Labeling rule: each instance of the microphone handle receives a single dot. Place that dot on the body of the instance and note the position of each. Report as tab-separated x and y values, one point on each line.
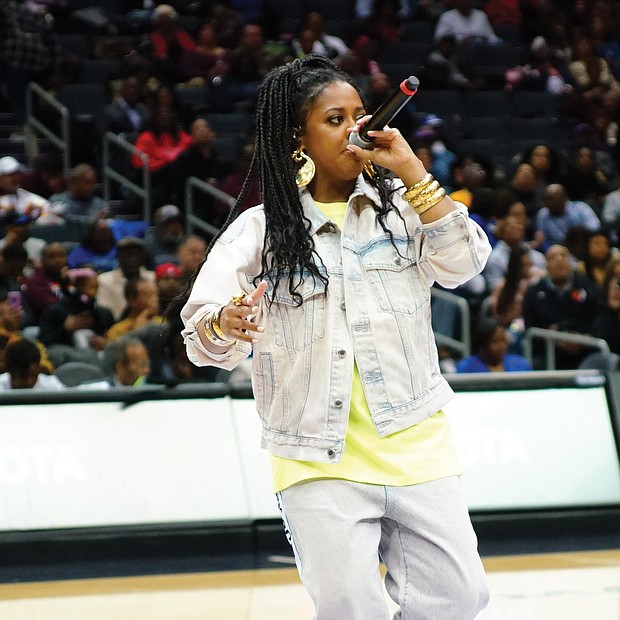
385	112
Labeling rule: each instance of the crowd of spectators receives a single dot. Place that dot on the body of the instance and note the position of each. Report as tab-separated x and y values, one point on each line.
85	285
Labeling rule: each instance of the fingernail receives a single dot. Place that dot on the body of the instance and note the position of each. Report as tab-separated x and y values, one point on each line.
260	329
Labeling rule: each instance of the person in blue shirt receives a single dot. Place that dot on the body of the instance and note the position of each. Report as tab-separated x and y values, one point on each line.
491	352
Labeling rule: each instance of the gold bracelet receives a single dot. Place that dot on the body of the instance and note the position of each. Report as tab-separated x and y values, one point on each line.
212	336
427	179
429	202
215	325
425	192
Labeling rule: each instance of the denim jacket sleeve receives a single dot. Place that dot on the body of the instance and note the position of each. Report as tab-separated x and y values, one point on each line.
232	264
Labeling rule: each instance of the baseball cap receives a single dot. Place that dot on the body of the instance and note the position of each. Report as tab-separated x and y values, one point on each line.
9	165
165	214
167	270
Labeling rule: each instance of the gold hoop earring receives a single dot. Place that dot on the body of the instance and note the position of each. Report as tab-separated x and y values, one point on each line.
306	172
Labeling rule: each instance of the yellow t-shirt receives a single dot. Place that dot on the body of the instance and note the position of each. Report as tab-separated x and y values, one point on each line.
421	453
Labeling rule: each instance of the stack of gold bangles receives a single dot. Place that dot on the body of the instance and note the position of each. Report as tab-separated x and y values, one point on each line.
213	331
425	194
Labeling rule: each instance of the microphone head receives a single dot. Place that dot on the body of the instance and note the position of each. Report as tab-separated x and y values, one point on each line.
356	139
411	83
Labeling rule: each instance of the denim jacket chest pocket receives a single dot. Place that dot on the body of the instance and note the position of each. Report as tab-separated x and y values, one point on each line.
394	277
297	327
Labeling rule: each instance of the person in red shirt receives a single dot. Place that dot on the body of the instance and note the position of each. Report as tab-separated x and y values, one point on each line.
162	143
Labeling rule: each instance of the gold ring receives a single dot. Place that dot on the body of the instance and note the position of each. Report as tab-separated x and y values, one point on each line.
239	299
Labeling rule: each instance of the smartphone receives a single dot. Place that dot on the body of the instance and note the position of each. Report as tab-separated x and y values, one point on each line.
14	299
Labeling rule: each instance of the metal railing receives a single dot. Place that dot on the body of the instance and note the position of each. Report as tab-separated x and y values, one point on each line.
552	337
463	346
192	221
63	142
109	174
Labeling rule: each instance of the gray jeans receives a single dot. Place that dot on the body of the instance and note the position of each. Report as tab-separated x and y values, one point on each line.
340	531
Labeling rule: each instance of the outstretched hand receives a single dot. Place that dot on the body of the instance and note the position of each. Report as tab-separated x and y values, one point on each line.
236	321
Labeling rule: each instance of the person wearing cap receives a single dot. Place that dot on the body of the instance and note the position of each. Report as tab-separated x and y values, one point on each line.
163	238
13	197
79	205
168	279
131	257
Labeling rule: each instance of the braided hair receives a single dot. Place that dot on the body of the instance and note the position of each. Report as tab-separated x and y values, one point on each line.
285	97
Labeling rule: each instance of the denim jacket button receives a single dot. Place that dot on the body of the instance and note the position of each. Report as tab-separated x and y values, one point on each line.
342	352
331	453
342	305
338	403
397	260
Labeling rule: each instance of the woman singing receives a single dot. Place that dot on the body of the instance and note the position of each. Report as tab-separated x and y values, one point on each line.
327	284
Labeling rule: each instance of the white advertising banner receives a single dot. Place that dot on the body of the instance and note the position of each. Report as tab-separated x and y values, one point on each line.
199	460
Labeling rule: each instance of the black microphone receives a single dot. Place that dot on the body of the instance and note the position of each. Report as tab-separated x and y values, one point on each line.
385	112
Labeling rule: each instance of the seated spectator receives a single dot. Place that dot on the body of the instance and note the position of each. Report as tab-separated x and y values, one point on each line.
597	257
491	352
131	256
445	68
22	369
502	12
523	185
543	72
584	179
465	22
547	165
606	324
13	260
17	232
506	299
132	365
510	231
162	240
597	88
79	205
142	308
46	285
127	116
76	322
385	22
168	42
474	178
47	177
168	280
200	160
14	198
97	248
561	214
190	255
562	301
207	60
162	144
325	44
250	62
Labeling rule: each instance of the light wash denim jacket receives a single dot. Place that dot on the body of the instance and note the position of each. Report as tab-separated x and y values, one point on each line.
376	312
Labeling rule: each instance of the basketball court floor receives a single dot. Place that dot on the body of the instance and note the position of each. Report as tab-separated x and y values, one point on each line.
582	585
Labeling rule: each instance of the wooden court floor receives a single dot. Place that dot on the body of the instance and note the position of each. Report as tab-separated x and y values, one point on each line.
563	586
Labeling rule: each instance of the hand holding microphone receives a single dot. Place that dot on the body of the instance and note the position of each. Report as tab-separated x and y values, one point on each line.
385	112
